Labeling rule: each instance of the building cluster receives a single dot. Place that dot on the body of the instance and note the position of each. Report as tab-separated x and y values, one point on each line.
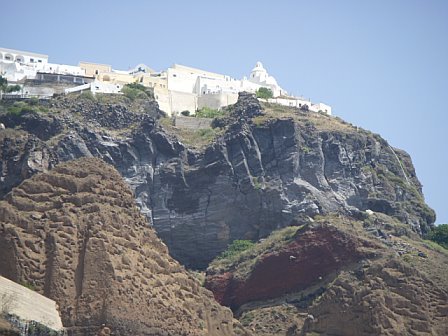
176	89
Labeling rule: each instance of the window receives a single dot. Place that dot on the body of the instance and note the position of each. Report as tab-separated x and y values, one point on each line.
96	72
32	60
40	61
174	75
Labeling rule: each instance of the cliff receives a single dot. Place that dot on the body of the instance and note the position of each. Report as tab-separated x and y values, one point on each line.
269	167
76	236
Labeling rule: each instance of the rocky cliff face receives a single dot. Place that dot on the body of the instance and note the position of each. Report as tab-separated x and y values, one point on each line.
76	236
272	168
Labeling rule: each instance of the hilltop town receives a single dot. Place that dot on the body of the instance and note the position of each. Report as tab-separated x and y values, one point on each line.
176	89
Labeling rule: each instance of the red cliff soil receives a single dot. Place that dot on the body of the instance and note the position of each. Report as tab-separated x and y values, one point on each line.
312	254
76	236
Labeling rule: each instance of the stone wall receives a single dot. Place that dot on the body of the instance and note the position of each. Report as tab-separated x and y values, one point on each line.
217	100
28	305
192	122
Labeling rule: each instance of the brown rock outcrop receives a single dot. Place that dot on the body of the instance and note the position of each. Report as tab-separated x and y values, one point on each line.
76	236
388	298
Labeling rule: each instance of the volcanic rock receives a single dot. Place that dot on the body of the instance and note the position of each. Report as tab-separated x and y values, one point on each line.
76	236
272	167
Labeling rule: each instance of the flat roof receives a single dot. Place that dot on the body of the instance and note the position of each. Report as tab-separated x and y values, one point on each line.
13	51
92	63
188	68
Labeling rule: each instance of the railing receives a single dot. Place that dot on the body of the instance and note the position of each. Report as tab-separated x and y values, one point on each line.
23	96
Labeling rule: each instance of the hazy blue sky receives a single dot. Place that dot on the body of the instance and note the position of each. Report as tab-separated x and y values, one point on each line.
382	65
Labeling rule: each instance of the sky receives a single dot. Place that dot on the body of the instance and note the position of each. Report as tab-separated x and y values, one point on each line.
381	65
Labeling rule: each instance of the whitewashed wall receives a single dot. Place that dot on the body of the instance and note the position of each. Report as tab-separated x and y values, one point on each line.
217	100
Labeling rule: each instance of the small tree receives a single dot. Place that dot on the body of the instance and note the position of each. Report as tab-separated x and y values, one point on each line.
3	85
185	113
440	235
264	93
5	88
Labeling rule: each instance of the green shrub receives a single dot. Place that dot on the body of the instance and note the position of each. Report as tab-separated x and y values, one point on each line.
87	95
439	235
20	107
13	88
136	91
185	113
235	248
28	285
33	101
207	112
264	93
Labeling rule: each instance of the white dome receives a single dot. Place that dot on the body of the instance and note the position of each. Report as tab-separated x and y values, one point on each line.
259	67
271	81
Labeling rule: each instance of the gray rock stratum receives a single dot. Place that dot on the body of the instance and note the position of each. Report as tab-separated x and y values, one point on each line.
271	167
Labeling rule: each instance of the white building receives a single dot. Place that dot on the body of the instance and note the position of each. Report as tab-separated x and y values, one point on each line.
300	103
96	87
23	57
260	77
191	89
17	65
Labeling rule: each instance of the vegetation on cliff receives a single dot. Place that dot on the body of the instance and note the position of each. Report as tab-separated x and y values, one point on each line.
439	235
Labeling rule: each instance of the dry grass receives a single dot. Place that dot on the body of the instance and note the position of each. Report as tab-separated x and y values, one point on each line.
197	139
321	121
243	263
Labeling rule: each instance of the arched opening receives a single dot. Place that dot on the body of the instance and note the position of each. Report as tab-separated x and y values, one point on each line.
20	59
9	57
